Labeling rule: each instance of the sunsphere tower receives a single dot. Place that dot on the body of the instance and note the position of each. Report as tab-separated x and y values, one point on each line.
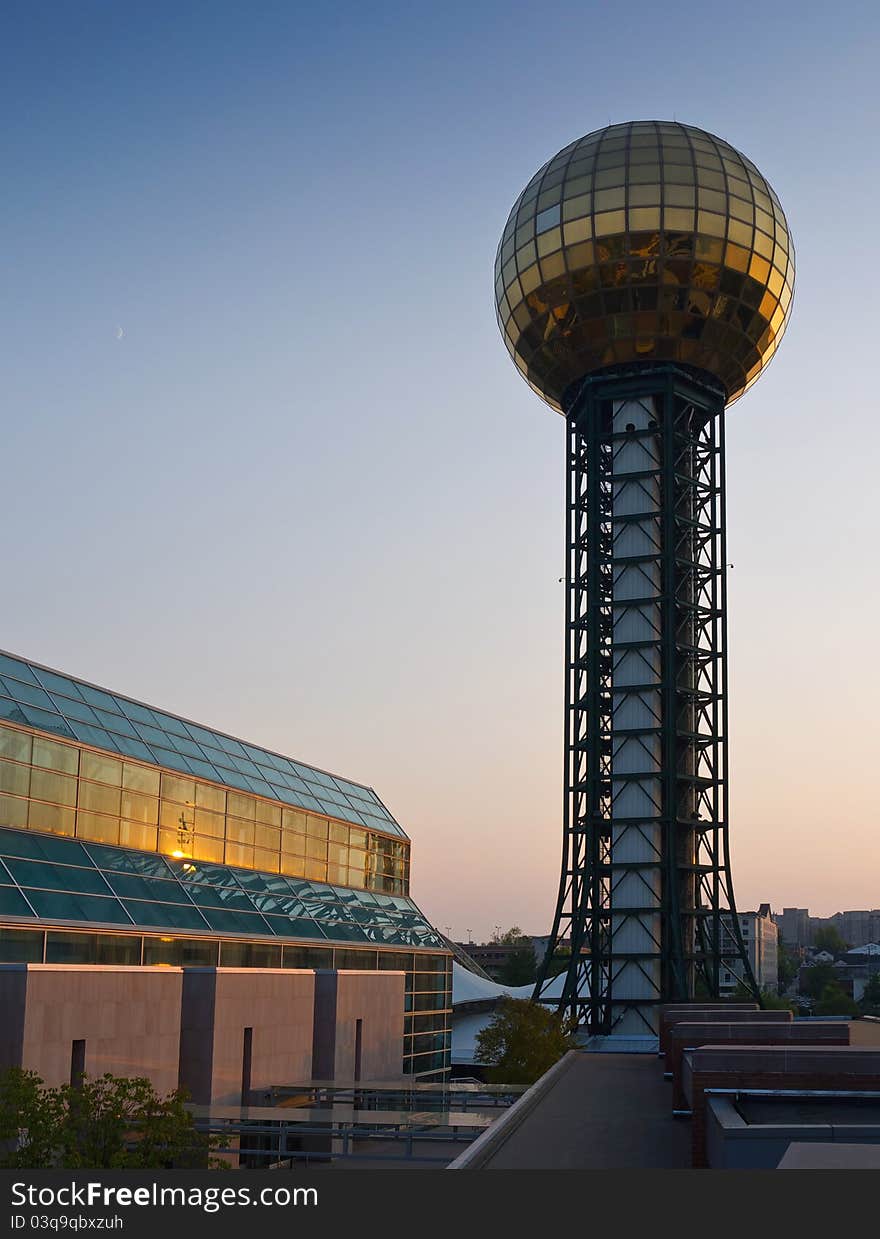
643	282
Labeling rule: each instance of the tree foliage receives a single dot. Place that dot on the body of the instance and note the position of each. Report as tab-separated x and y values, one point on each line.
520	966
815	979
523	1041
770	999
827	938
834	1000
558	961
103	1123
788	965
870	1000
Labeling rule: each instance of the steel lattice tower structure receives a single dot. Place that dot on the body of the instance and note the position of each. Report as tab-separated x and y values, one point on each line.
643	281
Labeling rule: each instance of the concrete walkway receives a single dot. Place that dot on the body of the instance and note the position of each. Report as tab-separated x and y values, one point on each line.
605	1112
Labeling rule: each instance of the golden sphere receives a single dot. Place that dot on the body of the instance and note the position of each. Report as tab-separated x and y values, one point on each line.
648	241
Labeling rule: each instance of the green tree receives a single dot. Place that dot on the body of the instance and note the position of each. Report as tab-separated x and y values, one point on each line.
30	1118
815	979
514	934
835	1000
827	938
523	1041
521	965
788	965
558	961
770	1000
104	1123
742	993
869	1004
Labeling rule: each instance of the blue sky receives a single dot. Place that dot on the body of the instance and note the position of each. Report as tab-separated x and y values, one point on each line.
305	497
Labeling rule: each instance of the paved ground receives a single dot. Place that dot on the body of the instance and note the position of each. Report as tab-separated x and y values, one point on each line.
608	1111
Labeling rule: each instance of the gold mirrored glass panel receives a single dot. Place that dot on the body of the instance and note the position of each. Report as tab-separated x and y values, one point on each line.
64	788
711	286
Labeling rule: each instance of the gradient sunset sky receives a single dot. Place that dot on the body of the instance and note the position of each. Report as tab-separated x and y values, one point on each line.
267	463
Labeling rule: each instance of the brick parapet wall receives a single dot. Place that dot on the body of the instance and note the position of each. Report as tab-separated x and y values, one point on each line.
751	1033
676	1013
862	1075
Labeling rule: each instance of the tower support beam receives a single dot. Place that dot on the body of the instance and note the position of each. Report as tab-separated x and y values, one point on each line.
645	896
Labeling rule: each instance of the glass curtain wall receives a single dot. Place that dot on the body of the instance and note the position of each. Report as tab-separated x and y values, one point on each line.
63	787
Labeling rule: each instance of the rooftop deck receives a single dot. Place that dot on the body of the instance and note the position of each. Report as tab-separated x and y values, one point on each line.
600	1112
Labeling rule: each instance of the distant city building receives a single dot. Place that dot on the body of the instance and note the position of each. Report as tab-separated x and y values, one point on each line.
857	928
855	970
851	973
794	926
490	956
868	954
761	939
541	941
493	956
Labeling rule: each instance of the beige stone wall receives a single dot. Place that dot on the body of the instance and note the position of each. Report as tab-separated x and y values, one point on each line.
186	1027
129	1019
375	998
219	1004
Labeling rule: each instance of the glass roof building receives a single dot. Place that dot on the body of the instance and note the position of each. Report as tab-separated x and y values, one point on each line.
132	836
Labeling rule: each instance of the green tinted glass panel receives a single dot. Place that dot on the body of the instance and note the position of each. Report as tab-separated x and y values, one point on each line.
19	946
175	915
134	887
225	921
12	903
57	877
307	957
249	955
41	847
158	893
180	952
290	927
222	897
55	905
355	959
80	948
